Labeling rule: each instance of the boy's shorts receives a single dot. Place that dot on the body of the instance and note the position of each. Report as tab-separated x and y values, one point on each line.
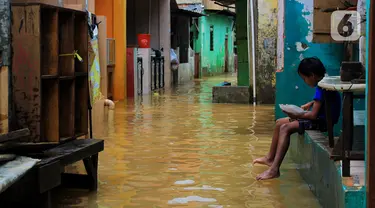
305	124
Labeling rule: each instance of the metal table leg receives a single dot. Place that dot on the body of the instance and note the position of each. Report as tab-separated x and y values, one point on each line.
347	132
328	110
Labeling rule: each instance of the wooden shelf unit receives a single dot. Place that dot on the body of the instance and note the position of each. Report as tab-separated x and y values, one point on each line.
50	88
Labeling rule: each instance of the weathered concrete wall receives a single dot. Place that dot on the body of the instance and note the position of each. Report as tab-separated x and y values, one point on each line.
165	38
266	39
322	174
232	94
212	62
186	70
290	88
266	51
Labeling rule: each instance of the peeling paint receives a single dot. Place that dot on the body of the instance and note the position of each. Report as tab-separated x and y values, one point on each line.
280	35
308	8
298	29
266	51
301	47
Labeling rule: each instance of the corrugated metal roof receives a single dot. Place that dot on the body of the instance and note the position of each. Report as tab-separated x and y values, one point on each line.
189	1
225	2
192	7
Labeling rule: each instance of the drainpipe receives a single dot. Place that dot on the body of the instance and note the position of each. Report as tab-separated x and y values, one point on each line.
250	17
149	17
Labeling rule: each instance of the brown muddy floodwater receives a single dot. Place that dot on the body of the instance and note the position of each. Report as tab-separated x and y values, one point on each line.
177	149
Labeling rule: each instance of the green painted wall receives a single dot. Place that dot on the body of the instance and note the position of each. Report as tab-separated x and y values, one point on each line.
243	75
213	62
266	37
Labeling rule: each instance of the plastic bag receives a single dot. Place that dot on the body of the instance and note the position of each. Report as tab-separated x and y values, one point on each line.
292	109
174	58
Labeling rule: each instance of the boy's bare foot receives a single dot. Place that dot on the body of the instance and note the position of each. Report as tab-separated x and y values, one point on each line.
268	174
264	161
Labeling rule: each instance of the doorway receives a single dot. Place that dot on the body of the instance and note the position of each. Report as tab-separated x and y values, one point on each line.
226	61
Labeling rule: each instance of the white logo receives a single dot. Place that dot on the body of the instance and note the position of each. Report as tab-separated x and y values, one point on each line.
345	25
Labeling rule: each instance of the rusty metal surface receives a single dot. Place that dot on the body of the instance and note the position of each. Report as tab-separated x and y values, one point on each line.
26	69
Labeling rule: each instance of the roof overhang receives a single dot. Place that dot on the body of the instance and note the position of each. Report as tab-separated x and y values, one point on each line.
184	12
225	2
223	12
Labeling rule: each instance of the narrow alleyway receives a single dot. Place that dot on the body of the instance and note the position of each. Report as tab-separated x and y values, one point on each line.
178	149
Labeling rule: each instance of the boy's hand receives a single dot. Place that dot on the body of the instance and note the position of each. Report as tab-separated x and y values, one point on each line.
307	106
291	115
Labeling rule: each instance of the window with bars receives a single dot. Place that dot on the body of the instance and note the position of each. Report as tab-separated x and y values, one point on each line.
211	38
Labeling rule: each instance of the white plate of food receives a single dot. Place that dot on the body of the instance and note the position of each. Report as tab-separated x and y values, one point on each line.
292	109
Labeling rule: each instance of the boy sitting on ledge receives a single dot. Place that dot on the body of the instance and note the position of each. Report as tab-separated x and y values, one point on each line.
311	70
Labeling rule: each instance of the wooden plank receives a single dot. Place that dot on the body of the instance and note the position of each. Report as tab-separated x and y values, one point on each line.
322	4
50	47
322	21
50	111
73	151
4	93
66	110
81	41
370	171
49	176
81	106
49	2
103	55
81	83
26	70
66	43
26	149
14	135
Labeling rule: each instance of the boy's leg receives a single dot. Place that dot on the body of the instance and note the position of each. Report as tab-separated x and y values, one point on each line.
282	147
268	159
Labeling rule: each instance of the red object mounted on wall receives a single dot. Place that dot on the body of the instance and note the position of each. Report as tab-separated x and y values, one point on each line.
144	40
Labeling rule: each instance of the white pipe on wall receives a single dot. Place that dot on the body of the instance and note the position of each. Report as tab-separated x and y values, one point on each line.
250	15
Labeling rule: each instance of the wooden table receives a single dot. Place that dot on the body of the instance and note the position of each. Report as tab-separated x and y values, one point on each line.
35	187
350	91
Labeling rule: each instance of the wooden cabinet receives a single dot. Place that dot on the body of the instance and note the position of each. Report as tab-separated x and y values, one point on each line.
322	18
49	83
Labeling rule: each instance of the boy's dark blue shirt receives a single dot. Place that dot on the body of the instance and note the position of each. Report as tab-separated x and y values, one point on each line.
336	103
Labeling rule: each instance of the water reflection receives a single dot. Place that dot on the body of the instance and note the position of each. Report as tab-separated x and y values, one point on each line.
177	149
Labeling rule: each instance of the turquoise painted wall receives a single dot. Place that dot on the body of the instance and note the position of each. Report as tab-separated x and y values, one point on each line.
290	88
212	62
323	175
368	2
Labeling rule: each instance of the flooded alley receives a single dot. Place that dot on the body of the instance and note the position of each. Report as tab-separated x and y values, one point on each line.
177	149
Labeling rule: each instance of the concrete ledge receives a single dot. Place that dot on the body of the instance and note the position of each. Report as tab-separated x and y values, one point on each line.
323	175
231	94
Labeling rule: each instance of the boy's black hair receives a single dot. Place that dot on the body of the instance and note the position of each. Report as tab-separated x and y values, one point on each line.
310	66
